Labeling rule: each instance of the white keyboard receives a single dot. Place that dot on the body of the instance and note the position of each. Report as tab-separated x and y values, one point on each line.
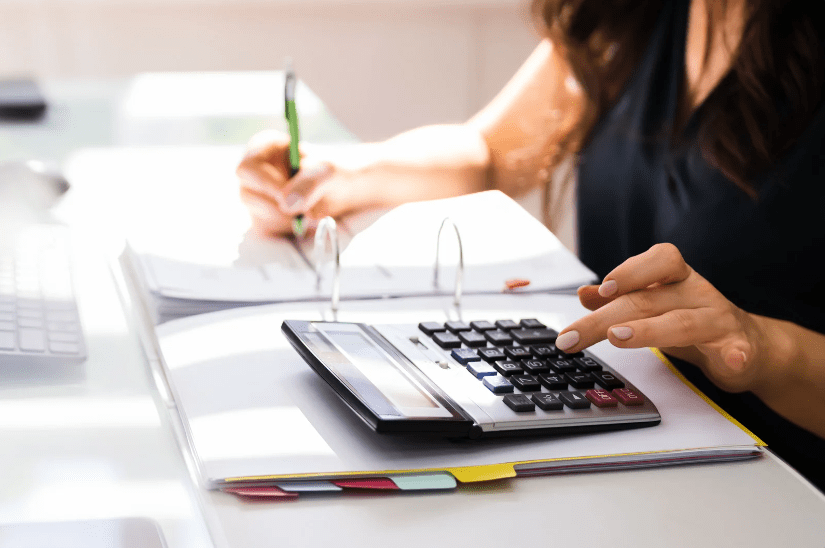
39	323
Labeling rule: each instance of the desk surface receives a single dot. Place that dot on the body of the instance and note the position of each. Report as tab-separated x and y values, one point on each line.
97	441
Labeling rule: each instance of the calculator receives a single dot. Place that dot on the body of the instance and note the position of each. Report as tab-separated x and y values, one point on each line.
468	380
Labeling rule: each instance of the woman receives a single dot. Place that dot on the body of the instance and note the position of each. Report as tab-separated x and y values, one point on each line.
698	130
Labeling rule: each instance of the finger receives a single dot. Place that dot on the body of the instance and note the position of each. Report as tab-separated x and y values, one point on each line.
646	303
676	328
302	184
590	299
262	178
662	264
267	219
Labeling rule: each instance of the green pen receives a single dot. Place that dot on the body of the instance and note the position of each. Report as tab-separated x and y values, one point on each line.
291	113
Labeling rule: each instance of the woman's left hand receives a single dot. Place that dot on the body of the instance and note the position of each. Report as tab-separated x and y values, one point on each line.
656	299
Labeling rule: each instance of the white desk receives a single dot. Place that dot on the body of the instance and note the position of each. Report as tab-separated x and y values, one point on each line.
97	442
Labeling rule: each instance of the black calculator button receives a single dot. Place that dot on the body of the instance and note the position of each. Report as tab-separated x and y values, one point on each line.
553	382
464	355
533	336
517	352
473	339
532	323
507	368
446	340
506	325
499	338
534	367
431	327
526	383
607	380
567	356
577	379
497	384
482	325
546	401
587	364
544	351
574	400
491	354
519	402
561	366
456	326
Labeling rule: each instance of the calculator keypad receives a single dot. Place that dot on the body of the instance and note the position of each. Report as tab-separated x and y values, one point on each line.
519	361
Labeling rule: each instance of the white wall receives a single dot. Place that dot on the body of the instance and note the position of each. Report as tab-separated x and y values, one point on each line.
382	66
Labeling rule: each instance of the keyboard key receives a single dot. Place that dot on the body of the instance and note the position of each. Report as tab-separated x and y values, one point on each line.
491	354
574	400
497	384
526	383
482	326
519	403
566	356
507	368
577	379
431	327
561	366
506	325
533	336
457	326
545	351
64	348
32	340
532	323
446	340
517	352
7	340
607	380
499	338
601	398
473	339
480	369
587	364
553	382
546	401
629	396
464	355
535	367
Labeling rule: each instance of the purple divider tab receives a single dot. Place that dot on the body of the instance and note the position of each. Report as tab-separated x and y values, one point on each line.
367	483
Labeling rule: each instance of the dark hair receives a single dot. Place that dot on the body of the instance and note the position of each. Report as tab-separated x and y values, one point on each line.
770	94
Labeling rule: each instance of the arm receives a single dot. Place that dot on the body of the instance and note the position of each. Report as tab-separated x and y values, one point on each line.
501	147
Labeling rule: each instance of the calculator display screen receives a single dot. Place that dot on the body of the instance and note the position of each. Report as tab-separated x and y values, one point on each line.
380	370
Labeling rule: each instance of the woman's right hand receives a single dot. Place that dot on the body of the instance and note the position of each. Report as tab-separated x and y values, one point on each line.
321	187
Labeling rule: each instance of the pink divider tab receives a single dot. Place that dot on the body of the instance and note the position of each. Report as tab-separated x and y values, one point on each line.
261	493
367	483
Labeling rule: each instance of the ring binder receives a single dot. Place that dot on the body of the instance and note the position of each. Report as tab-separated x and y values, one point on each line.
459	275
327	229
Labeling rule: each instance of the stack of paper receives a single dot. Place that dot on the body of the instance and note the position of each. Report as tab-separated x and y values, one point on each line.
394	257
260	422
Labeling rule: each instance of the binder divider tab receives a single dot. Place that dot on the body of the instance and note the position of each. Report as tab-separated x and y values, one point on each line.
328	230
459	274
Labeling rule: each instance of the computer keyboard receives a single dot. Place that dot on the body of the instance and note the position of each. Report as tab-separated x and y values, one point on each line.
39	323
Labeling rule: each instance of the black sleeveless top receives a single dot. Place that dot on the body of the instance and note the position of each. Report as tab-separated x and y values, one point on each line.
638	185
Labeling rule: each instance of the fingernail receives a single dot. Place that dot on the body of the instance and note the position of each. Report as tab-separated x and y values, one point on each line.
608	288
622	333
736	360
567	340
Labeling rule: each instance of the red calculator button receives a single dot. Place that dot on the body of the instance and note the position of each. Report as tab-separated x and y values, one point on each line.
629	396
600	398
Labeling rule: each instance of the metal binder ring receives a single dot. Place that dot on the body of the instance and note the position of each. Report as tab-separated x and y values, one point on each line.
459	275
328	228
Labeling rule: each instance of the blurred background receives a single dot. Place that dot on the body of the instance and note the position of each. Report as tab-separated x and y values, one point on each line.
381	66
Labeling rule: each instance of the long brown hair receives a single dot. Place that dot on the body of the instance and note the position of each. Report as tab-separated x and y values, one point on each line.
756	113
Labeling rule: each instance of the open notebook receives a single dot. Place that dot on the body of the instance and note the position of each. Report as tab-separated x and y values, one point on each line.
394	257
259	421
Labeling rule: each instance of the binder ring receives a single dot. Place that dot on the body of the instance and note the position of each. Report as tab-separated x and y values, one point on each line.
327	229
459	275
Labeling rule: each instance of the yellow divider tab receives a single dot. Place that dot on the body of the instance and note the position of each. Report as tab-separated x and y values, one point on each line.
487	472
